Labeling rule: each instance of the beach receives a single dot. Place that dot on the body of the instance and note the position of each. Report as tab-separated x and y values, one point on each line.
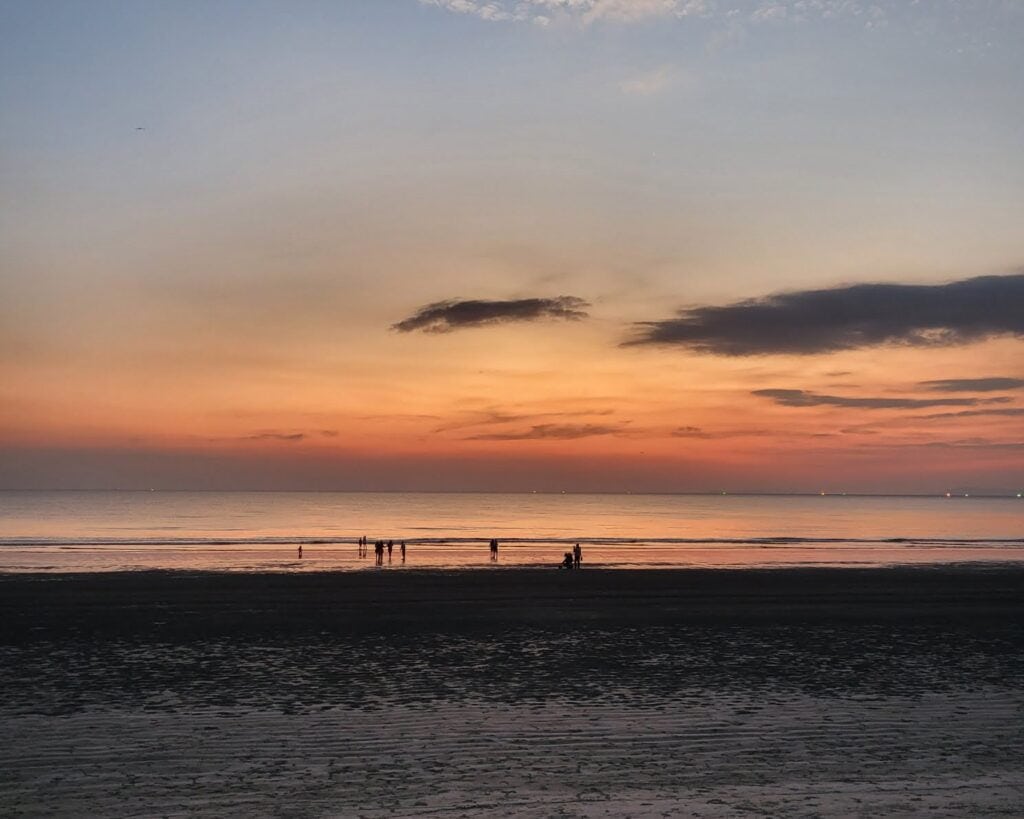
514	692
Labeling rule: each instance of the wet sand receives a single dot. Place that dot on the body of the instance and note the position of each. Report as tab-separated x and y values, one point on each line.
514	692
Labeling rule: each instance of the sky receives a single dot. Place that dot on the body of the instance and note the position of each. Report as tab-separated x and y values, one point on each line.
512	245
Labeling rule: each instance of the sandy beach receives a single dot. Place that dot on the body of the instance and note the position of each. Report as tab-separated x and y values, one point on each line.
824	692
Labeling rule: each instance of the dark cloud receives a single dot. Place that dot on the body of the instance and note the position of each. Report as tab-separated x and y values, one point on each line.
973	384
445	316
803	398
562	432
844	318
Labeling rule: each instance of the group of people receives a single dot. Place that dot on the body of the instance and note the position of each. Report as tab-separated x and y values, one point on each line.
573	559
379	548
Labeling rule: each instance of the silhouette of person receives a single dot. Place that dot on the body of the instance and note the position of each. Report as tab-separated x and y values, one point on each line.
567	561
577	556
300	551
378	551
402	546
494	548
391	545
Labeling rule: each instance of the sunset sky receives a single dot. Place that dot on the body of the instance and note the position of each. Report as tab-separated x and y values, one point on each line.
644	245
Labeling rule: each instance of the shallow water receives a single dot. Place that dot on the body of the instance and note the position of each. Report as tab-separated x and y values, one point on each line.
257	531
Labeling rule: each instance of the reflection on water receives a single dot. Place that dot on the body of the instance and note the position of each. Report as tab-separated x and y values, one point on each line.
73	531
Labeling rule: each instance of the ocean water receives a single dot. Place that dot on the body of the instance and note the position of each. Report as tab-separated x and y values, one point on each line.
99	531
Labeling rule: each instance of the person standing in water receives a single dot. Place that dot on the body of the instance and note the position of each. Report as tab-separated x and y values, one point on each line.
494	548
577	556
300	551
402	547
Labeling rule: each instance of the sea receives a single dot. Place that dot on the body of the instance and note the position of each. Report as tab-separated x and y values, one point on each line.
263	531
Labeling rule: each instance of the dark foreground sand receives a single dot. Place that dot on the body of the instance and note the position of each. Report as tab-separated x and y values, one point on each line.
814	692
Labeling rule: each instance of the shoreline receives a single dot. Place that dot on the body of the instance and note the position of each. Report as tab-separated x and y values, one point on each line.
642	556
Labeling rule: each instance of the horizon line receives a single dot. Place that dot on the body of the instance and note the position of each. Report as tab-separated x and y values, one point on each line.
950	494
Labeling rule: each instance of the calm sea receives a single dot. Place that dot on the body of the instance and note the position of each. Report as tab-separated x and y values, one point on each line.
94	531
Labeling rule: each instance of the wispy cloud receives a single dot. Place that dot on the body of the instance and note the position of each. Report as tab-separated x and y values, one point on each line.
498	417
544	12
970	443
690	432
276	436
445	316
632	10
844	318
289	436
562	432
485	9
1005	412
803	398
992	384
907	420
703	434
